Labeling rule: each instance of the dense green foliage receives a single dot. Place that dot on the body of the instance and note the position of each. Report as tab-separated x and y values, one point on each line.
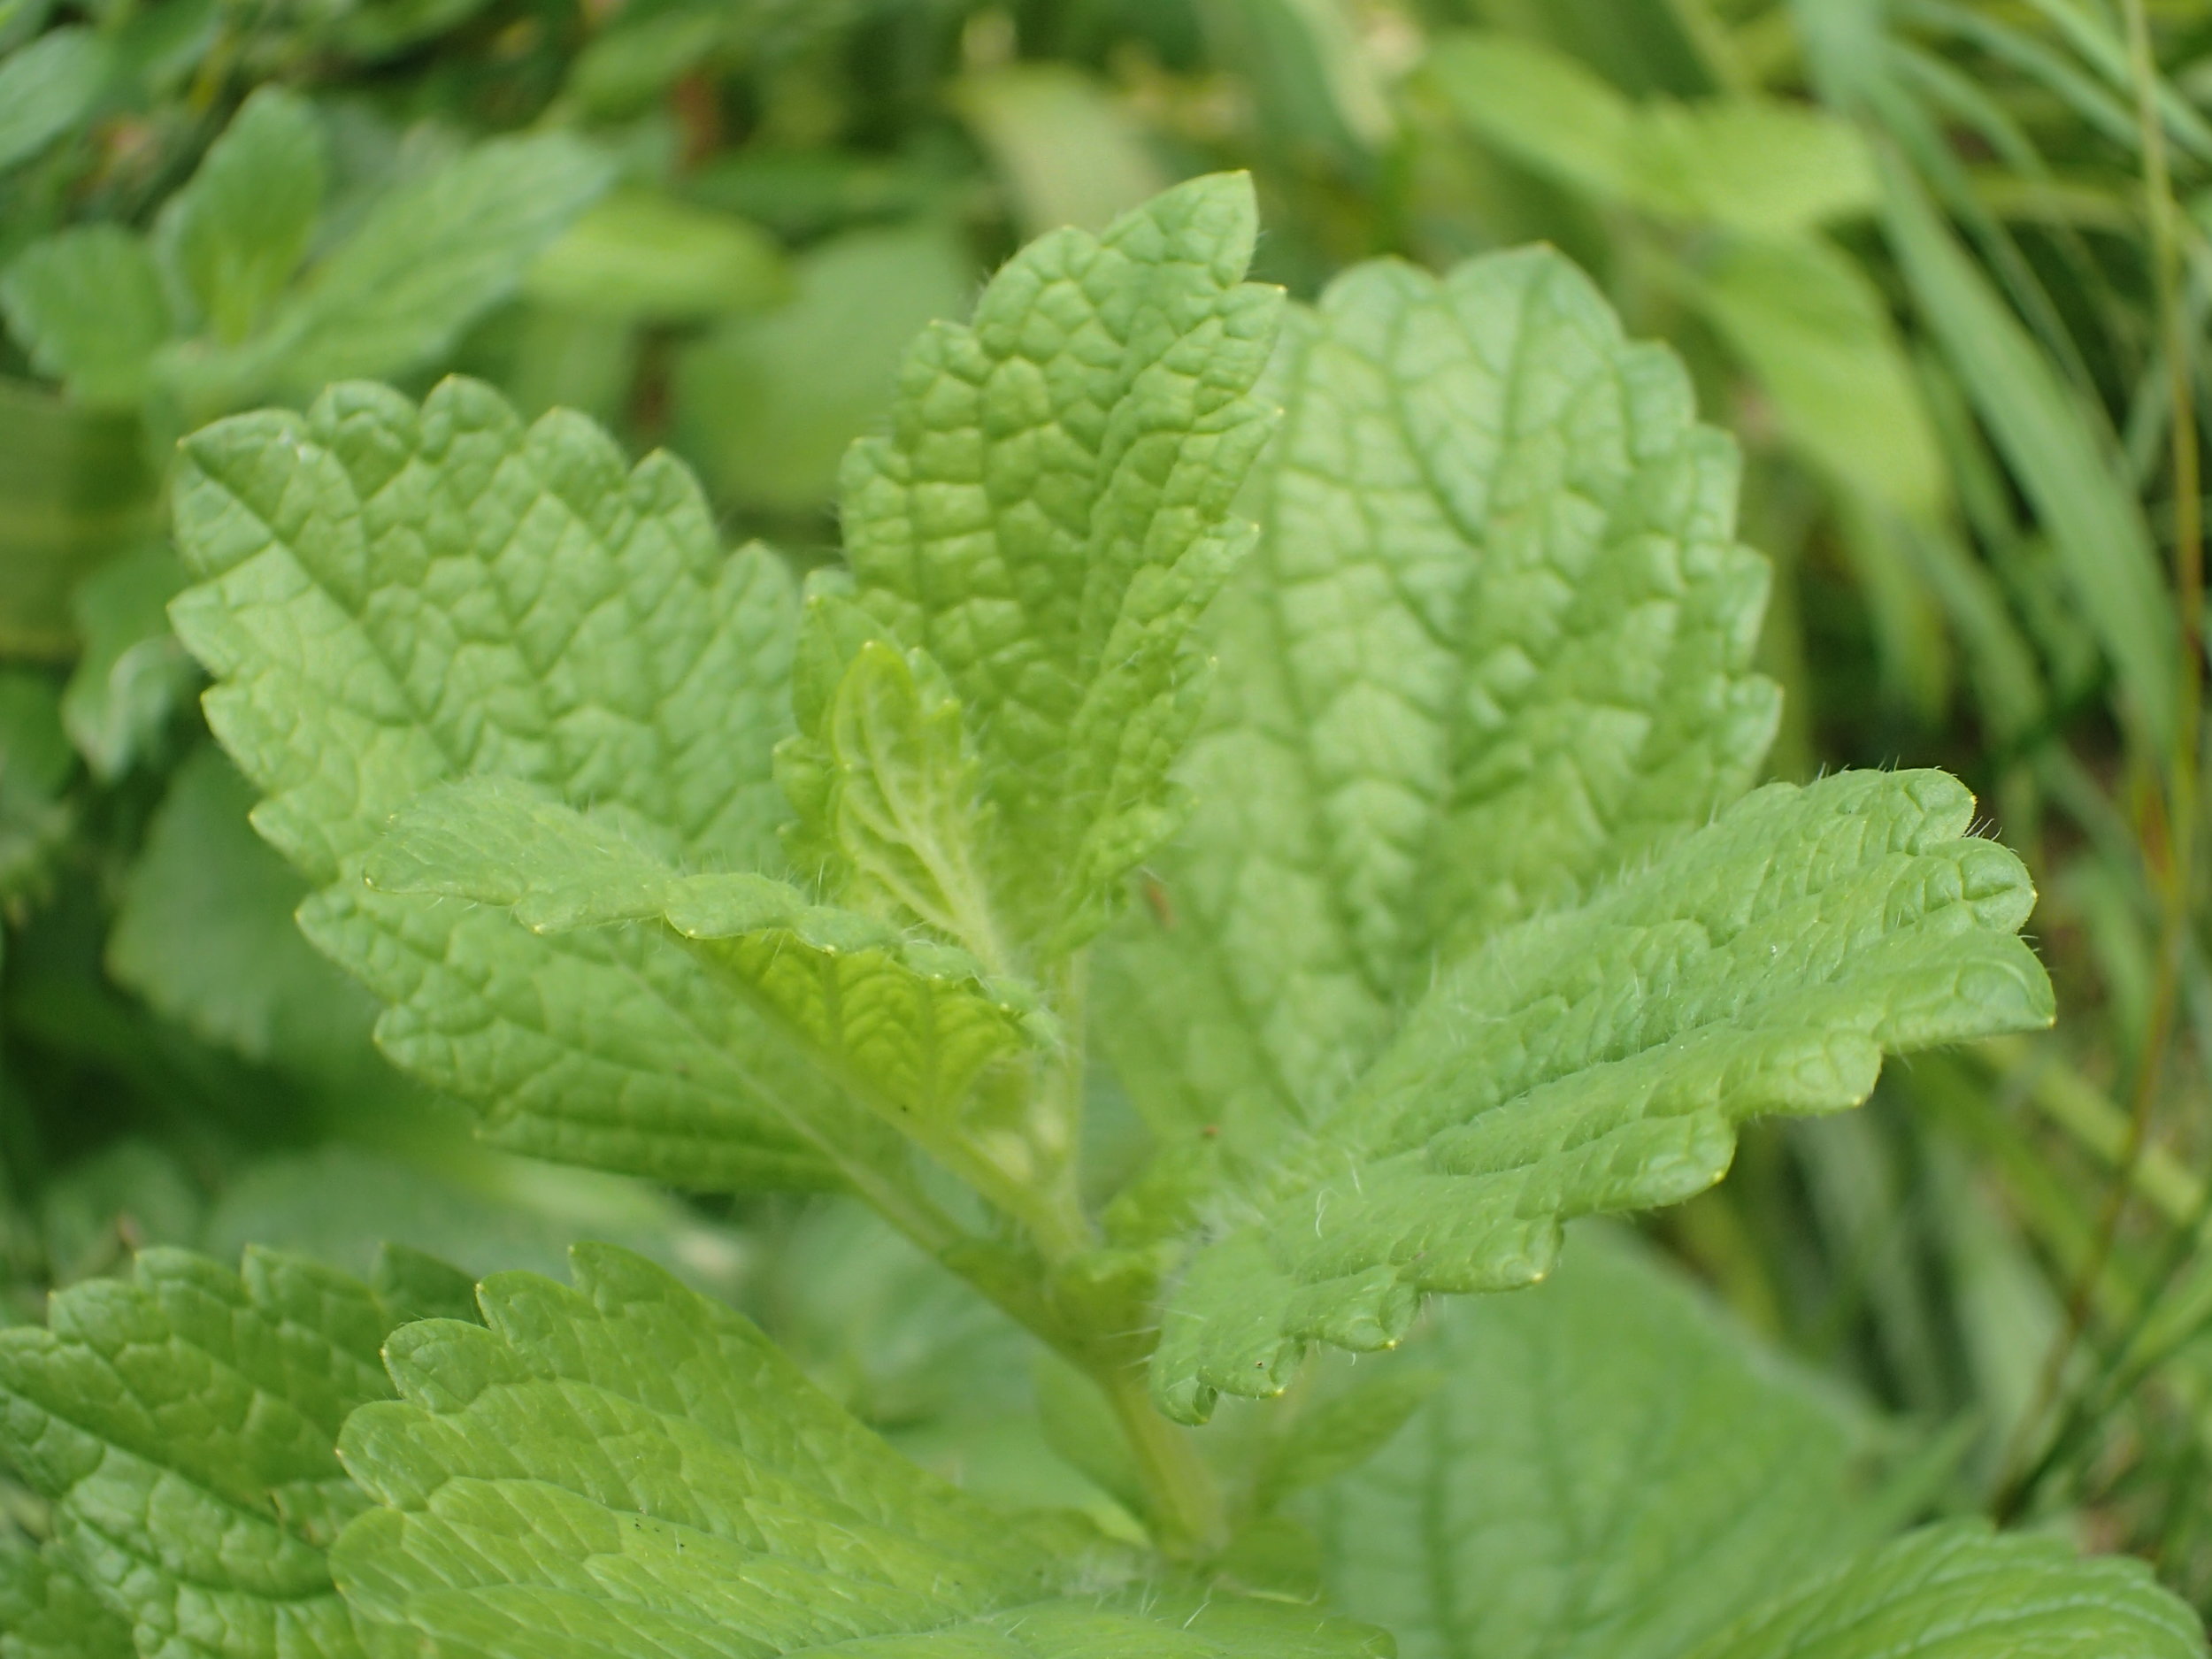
1109	851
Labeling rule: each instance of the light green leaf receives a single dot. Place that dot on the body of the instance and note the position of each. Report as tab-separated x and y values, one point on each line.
1051	510
433	255
885	783
613	1050
47	88
1817	335
476	596
1071	153
134	673
236	233
1612	1469
627	1468
1495	642
1961	1592
1343	1431
182	1424
1321	83
765	405
48	1612
205	932
647	257
87	305
478	1210
394	597
1546	107
909	1025
1758	166
1599	1058
1616	1471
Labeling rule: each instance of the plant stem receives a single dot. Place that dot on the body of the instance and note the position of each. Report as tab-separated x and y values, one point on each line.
1055	1129
1189	1520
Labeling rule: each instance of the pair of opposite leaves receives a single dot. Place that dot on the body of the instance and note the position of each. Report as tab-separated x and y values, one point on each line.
1493	648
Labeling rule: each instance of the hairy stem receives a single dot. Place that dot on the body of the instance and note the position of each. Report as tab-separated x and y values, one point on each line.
1189	1520
1055	1129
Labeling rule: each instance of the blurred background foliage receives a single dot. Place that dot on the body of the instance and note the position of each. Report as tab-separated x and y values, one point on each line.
1944	267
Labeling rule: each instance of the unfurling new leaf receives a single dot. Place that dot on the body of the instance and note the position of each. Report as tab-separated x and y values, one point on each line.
1051	512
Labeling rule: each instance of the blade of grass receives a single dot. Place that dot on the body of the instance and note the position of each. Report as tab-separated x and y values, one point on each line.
2031	59
2174	872
2033	188
2053	447
2174	121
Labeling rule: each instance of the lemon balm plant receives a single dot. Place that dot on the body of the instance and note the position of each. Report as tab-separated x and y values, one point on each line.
1335	724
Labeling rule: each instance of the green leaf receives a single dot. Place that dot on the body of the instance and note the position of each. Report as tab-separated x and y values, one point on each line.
1342	1432
624	69
767	403
394	597
380	29
1495	642
431	257
48	1612
1051	513
476	1209
75	491
127	1195
134	673
181	1423
1318	82
35	767
1543	105
1612	1469
47	88
1071	152
237	232
645	257
1961	1592
1599	1058
627	1468
87	305
909	1025
205	932
1758	166
1817	335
